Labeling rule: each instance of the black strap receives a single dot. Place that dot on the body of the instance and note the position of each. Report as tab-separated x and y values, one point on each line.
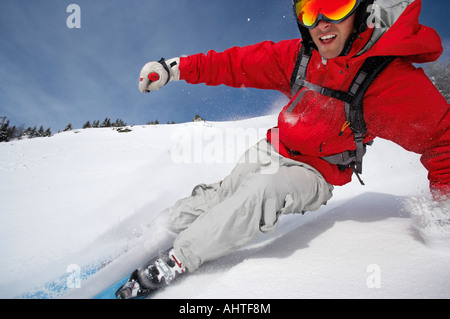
300	69
164	64
368	72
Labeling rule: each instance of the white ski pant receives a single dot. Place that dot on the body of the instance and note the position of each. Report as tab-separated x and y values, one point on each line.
219	218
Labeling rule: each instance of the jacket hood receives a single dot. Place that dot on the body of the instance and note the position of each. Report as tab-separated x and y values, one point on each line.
396	31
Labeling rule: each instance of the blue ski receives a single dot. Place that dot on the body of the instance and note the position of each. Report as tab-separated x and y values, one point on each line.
110	292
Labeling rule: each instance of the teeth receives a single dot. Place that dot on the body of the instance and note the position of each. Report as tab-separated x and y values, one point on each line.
328	37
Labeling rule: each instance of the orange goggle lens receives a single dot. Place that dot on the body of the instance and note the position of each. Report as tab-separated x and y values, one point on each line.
308	11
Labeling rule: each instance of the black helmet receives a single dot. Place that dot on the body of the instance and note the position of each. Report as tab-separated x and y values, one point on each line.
360	24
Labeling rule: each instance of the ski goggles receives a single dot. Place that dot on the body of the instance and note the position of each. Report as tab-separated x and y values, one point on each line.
310	12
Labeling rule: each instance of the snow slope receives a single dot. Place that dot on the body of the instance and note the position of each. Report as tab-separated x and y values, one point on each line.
80	205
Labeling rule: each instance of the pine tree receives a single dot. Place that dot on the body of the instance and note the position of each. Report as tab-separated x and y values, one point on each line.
30	132
87	124
48	133
12	133
40	132
68	127
106	123
197	118
33	132
4	132
119	123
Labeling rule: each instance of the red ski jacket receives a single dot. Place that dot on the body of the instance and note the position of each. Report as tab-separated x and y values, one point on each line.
402	105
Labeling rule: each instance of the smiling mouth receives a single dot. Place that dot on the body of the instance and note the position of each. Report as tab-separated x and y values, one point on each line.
327	38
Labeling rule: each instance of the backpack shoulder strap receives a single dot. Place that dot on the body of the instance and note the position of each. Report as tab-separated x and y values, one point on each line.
368	72
354	110
300	70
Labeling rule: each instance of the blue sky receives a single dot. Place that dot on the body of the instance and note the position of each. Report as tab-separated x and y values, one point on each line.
52	75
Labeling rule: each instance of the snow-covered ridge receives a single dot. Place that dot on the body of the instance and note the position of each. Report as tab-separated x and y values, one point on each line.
79	205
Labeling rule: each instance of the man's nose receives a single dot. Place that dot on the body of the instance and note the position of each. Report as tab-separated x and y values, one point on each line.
323	25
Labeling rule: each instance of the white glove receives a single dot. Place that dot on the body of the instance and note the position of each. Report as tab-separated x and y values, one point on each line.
167	71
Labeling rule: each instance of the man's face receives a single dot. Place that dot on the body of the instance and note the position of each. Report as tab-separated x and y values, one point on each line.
330	38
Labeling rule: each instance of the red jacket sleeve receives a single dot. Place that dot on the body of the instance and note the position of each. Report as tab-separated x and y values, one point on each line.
265	65
404	106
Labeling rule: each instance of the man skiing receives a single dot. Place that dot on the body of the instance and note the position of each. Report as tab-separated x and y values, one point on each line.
318	141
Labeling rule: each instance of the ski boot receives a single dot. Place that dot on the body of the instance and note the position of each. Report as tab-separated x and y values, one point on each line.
156	274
